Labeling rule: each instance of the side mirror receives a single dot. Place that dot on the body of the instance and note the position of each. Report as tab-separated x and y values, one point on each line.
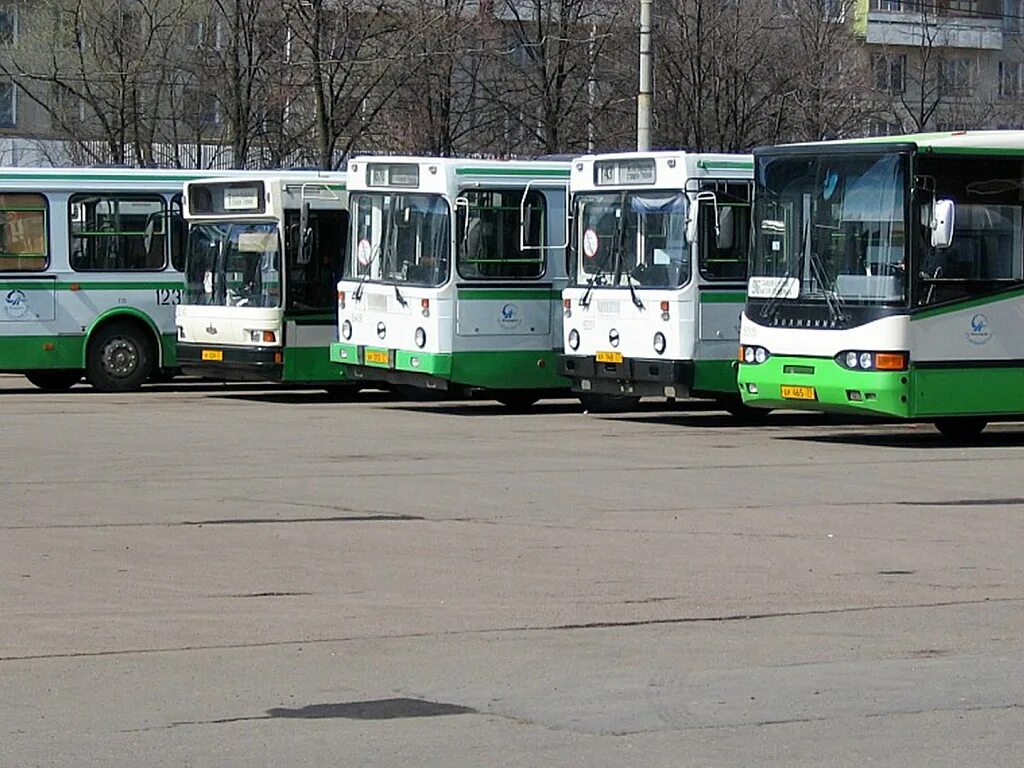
694	214
943	218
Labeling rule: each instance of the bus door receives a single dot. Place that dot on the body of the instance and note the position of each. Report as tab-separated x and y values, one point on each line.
723	227
314	261
505	286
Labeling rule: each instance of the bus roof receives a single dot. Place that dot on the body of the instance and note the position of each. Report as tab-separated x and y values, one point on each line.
949	142
79	178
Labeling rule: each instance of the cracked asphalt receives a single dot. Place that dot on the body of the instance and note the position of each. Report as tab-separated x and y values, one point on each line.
234	576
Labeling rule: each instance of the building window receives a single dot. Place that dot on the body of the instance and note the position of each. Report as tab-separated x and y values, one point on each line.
1011	79
884	128
1013	15
8	105
887	6
955	77
890	72
8	26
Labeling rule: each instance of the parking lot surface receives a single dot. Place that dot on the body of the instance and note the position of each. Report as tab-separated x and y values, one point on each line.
216	576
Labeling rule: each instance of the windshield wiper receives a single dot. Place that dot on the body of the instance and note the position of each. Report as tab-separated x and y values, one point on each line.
615	253
768	310
832	299
398	295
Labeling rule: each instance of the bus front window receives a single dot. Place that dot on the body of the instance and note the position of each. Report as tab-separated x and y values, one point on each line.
233	265
400	239
835	223
637	238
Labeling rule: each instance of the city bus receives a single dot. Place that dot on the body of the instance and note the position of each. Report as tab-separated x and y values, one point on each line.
659	250
90	272
887	279
456	276
264	255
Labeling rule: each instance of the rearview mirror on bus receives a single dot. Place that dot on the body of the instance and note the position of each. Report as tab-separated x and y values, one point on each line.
943	218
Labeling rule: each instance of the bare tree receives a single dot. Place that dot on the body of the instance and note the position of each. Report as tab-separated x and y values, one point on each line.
98	69
724	80
344	55
543	77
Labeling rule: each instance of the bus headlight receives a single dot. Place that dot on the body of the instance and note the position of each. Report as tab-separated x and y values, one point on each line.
855	360
346	330
574	339
752	355
421	338
659	343
260	336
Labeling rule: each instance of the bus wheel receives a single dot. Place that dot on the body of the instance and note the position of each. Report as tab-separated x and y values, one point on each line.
516	399
54	381
596	403
961	429
120	358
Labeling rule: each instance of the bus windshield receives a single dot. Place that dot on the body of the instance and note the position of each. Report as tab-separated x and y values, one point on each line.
636	238
400	238
233	264
831	228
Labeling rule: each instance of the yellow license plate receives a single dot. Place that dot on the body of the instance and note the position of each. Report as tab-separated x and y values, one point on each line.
216	355
798	393
379	358
609	357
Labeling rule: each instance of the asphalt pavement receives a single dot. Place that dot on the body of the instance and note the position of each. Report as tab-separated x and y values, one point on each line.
208	575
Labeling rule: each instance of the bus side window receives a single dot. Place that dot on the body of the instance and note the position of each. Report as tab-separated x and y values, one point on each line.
118	233
23	236
723	254
489	247
178	233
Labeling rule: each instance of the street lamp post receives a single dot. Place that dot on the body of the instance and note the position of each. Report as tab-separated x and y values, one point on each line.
643	99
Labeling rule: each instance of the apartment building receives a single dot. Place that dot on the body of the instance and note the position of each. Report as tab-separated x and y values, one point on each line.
945	64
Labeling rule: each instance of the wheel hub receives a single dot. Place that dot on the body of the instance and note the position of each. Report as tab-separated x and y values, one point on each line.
120	358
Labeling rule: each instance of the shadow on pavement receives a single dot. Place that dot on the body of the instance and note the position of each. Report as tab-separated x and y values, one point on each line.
915	436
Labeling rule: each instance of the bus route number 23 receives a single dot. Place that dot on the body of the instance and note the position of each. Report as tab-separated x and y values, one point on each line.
168	297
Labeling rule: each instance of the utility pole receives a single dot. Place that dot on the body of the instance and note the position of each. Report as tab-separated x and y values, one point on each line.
643	99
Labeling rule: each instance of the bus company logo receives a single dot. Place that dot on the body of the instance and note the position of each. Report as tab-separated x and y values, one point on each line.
510	317
16	304
980	331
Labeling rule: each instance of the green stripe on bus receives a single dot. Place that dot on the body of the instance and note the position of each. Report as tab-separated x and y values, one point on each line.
723	297
542	172
509	294
969	304
740	164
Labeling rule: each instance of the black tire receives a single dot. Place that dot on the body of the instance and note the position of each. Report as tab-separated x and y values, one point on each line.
54	381
120	358
961	429
596	403
516	399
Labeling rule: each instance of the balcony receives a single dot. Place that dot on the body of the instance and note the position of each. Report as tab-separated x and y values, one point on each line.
945	24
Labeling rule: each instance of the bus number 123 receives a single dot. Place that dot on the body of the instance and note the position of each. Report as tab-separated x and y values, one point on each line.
168	296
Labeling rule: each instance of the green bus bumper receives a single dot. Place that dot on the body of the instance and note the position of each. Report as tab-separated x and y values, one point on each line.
828	385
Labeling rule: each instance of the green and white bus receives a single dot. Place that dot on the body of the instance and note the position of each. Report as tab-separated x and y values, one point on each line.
659	244
264	255
90	272
456	276
887	278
